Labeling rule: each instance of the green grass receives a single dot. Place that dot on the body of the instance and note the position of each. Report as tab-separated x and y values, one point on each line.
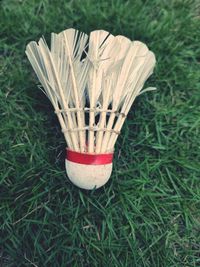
149	212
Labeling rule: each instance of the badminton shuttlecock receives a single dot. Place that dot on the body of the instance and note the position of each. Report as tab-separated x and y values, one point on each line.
91	82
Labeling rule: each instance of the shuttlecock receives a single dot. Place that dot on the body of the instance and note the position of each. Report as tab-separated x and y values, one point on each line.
91	82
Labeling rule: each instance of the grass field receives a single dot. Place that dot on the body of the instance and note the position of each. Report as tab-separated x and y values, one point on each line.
149	213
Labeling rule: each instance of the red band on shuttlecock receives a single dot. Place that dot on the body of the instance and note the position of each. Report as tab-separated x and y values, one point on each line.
89	159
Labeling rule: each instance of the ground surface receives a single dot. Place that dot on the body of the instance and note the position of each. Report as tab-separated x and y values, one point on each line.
149	212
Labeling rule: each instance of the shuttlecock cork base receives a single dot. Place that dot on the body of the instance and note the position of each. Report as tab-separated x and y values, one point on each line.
88	170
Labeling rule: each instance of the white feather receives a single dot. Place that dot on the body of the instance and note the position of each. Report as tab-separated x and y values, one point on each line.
109	70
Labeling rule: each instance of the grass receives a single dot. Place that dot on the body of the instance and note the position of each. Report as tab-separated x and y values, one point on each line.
149	212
